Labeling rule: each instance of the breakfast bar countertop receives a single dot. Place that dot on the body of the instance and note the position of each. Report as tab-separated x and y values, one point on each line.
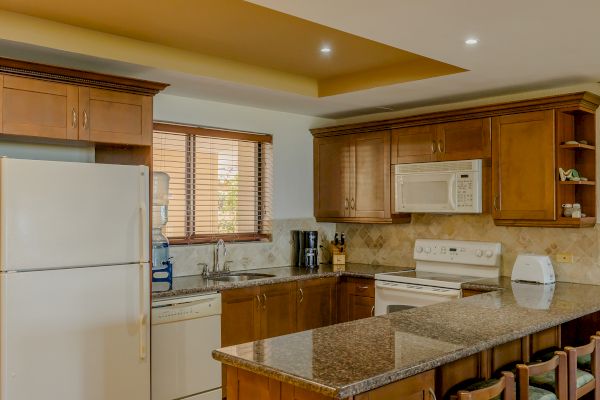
197	284
350	358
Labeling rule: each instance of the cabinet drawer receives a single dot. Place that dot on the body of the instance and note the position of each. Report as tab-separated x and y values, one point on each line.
361	286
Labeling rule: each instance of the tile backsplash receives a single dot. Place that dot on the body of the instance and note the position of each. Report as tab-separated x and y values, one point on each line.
393	244
277	253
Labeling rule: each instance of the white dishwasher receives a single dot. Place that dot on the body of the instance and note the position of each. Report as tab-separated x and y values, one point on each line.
185	331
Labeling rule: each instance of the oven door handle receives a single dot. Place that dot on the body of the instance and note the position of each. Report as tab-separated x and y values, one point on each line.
452	293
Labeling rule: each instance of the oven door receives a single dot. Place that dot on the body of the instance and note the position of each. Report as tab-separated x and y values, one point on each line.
429	192
395	296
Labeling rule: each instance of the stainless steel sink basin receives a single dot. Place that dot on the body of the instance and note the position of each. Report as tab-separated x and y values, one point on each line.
239	276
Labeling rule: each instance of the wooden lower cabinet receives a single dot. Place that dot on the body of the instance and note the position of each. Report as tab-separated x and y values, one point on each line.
278	309
418	387
317	303
356	299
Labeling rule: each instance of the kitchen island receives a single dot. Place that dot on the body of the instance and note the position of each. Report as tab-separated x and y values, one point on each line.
415	352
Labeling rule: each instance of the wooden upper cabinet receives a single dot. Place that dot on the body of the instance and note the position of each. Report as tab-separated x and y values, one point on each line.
523	167
414	144
115	117
316	303
456	140
332	177
278	313
464	140
352	177
32	107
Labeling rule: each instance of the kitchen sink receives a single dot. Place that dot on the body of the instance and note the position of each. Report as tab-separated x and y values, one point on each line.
239	276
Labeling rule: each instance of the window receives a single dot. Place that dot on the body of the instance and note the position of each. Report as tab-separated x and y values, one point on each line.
220	183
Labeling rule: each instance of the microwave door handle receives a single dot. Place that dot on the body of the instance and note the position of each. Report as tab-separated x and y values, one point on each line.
452	192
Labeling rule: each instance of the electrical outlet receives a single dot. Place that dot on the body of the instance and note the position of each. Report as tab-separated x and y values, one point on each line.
564	258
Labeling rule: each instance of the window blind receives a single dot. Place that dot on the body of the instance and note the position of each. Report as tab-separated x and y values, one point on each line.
220	183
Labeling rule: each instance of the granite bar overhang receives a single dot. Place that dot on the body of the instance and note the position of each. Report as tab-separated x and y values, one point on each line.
347	359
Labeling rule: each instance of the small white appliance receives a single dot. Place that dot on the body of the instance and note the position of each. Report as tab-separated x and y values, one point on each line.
533	295
74	281
533	268
438	187
442	266
185	331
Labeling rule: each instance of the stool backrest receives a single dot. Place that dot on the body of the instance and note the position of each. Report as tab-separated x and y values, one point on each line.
504	386
558	363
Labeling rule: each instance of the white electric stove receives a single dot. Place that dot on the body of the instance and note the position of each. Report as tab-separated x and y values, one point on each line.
442	266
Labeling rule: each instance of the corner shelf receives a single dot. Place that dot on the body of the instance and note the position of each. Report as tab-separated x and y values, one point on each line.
578	146
589	183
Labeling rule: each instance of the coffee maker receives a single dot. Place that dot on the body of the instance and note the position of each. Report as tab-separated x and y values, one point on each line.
305	249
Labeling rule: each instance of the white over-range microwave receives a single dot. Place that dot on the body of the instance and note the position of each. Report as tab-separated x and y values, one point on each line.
438	187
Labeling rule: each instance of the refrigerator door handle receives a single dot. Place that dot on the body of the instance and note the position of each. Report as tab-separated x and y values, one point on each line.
143	321
143	229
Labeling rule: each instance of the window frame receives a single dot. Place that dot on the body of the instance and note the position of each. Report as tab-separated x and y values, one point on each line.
189	226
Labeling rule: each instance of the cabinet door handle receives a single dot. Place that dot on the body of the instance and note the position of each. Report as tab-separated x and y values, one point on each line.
373	311
346	203
258	300
440	146
301	295
352	204
264	301
432	394
496	198
85	119
362	288
74	118
433	147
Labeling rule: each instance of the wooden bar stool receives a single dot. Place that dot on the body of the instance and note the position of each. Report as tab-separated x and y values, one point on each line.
491	389
546	380
583	369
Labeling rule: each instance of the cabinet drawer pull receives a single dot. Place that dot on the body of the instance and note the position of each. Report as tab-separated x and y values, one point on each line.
433	147
440	146
373	311
74	118
301	295
362	288
432	394
264	301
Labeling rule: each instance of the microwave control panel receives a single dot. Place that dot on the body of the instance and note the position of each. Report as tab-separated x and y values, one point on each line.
464	190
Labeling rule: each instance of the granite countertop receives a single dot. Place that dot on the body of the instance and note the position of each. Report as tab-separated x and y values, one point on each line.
350	358
195	284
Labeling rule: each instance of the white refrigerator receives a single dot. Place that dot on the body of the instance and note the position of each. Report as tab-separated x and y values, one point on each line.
74	281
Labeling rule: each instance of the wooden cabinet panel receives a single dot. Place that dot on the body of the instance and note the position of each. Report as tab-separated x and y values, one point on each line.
356	299
278	313
244	385
115	117
240	318
370	186
316	303
32	107
523	168
290	392
332	177
414	144
417	387
464	140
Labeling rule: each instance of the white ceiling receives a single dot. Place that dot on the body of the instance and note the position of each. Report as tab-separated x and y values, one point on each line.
524	45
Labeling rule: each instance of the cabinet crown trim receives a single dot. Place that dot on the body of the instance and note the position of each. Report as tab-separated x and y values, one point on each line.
585	101
67	75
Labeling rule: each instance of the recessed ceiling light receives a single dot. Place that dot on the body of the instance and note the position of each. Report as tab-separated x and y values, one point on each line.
471	41
325	49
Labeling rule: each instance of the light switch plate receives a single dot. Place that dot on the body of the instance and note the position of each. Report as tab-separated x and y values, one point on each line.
564	258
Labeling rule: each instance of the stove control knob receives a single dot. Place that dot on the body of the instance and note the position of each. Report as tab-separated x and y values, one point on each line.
427	250
479	253
489	253
419	249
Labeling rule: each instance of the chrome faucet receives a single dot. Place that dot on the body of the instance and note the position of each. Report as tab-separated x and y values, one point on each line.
218	265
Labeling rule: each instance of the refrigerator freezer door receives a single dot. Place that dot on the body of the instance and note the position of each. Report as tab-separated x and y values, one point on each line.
75	334
61	214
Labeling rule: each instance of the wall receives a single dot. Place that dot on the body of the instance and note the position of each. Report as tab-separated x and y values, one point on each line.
45	151
292	174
